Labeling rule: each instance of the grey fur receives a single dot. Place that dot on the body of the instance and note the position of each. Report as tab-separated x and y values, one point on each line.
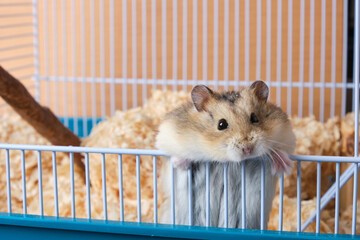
252	181
231	97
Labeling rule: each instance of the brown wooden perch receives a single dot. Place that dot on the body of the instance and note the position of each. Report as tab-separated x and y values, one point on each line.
41	118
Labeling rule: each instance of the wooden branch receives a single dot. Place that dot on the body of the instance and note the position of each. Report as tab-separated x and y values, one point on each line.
41	118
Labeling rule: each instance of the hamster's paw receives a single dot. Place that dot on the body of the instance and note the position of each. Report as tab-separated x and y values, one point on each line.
180	163
281	163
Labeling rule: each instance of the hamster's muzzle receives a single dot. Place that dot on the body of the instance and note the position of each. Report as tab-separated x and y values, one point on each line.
247	150
240	150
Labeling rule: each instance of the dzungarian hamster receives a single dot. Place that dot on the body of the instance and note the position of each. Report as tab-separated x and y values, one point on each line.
219	127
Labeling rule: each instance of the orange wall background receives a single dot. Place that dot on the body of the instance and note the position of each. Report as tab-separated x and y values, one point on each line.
68	59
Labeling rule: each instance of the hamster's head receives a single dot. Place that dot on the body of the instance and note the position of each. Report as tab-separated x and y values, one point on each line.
227	126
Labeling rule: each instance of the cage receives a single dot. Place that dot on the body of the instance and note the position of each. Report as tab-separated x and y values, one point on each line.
110	69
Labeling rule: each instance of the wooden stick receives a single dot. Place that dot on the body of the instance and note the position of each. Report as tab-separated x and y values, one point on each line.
41	118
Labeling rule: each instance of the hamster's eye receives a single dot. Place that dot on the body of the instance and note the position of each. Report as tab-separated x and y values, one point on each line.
253	118
222	124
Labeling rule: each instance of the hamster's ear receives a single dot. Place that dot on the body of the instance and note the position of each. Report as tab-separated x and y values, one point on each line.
261	90
200	95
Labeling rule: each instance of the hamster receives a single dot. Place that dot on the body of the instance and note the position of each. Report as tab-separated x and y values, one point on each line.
218	127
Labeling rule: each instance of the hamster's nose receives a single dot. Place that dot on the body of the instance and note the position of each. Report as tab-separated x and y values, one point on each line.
247	150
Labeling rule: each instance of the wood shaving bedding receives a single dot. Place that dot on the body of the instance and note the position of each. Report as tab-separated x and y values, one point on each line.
348	133
290	215
16	131
135	128
345	224
327	220
314	138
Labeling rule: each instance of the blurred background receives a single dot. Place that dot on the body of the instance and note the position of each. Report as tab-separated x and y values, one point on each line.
75	51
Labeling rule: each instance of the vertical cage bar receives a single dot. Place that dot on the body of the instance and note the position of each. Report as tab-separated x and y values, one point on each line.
175	44
268	41
155	189
103	177
72	188
185	43
74	66
262	200
318	196
112	55
311	57
344	56
322	60
216	43
243	196
301	65
40	184
208	194
134	53
333	57
247	40
195	41
121	190
124	53
298	195
65	58
87	177
190	204
36	48
23	181
163	43
356	107
143	49
258	39
83	66
55	55
8	184
153	42
138	188
172	195
92	62
45	50
102	58
289	67
205	41
56	202
356	78
226	45
281	195
237	47
354	213
337	198
278	52
226	194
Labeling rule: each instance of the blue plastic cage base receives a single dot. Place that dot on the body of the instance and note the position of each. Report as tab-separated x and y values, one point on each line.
84	127
19	226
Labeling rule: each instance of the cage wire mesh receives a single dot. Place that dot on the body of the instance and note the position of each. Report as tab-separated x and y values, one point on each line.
87	59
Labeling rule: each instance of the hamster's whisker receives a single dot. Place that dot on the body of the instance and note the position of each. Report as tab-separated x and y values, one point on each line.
284	144
271	149
270	157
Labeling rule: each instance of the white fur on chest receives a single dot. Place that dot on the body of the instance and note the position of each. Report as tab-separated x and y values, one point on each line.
252	187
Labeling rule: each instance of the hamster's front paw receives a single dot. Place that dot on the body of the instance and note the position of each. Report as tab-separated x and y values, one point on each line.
180	163
281	162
